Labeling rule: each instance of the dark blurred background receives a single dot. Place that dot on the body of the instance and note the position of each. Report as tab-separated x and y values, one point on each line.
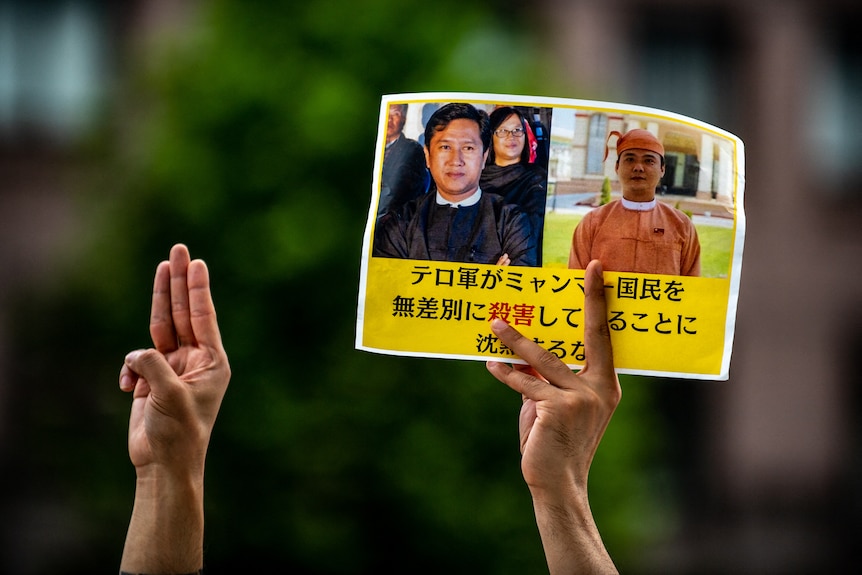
247	129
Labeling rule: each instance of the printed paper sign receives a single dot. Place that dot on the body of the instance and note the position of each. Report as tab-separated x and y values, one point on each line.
490	206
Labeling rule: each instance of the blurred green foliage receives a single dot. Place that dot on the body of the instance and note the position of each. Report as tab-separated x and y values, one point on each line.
252	141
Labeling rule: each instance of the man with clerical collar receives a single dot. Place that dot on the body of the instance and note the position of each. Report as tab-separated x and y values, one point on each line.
455	221
638	233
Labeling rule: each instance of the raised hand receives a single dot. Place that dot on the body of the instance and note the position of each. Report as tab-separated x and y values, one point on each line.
177	388
562	421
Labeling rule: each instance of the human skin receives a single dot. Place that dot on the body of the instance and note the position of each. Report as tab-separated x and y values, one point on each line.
455	158
639	172
395	122
177	388
563	418
507	150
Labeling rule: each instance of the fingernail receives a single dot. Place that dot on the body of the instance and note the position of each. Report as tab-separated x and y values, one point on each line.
497	324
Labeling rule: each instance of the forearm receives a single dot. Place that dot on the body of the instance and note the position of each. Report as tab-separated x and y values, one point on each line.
569	534
166	529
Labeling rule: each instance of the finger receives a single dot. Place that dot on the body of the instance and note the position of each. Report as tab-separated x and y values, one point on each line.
524	383
139	402
180	295
203	314
526	419
544	362
528	369
597	335
161	321
128	378
152	366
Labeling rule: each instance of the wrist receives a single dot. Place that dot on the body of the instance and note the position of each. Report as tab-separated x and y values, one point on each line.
166	530
565	505
166	501
565	496
165	474
568	530
159	483
555	484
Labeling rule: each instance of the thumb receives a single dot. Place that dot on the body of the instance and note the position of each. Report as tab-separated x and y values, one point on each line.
152	365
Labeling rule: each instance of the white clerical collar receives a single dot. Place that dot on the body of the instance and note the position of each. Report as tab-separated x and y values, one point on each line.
472	200
639	206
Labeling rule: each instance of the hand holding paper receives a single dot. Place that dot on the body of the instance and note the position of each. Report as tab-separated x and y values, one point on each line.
562	421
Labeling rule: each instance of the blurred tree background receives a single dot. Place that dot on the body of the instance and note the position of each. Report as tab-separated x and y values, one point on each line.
251	139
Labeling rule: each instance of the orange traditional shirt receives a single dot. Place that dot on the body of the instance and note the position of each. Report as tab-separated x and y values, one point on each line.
656	240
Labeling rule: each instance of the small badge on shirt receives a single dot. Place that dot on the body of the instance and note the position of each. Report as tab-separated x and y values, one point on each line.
658	231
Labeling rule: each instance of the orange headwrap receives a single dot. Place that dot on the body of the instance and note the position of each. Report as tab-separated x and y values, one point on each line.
640	139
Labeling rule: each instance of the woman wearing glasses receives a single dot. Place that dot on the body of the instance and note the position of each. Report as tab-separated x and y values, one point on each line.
511	171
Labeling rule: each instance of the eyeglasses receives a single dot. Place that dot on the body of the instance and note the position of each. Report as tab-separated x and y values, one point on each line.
503	133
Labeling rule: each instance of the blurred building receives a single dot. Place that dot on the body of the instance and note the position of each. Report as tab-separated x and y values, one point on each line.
53	78
61	62
771	456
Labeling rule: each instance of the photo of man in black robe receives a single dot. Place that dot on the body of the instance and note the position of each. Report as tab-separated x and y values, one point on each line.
455	221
